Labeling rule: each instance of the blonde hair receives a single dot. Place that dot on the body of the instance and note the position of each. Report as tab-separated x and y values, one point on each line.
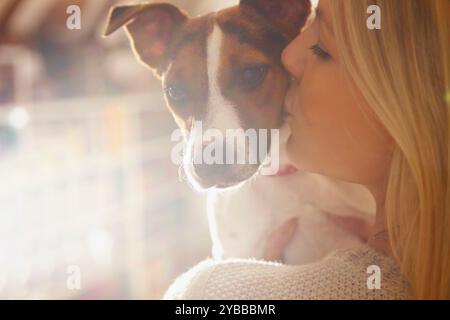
403	71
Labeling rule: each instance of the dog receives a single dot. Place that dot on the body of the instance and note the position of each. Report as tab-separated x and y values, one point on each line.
224	69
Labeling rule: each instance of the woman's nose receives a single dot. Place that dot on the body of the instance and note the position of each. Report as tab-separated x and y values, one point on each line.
293	57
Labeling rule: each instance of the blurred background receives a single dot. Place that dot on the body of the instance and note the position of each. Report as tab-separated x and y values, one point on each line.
87	187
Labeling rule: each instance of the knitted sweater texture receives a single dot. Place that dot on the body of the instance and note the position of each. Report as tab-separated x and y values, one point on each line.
342	275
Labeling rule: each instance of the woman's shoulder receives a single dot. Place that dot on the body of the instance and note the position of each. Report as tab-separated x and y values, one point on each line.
358	273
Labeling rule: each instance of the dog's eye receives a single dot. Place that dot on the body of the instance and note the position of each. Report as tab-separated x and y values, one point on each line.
252	77
176	92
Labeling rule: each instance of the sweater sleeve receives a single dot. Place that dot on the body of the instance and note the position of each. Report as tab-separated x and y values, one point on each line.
191	284
340	276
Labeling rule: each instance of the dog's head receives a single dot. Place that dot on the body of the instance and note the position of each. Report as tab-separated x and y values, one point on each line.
222	69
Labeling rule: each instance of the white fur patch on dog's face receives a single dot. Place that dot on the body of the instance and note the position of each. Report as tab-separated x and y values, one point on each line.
221	114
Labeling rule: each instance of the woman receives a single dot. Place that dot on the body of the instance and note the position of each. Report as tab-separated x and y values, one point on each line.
369	107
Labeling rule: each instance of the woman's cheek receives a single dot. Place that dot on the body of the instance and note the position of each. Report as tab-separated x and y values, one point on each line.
318	94
317	133
313	119
334	130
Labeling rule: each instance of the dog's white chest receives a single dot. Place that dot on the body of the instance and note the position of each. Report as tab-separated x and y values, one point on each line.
241	220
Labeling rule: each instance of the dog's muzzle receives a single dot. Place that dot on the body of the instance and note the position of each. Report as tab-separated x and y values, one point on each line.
220	174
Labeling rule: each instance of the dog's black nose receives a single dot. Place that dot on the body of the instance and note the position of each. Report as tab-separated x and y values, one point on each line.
210	175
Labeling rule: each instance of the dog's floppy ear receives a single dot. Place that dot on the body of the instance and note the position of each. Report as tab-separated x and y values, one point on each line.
288	16
150	28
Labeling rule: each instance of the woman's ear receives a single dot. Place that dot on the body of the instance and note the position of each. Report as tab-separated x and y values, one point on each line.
150	28
288	16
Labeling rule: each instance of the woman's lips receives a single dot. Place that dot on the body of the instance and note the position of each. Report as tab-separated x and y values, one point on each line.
288	105
286	116
287	108
289	99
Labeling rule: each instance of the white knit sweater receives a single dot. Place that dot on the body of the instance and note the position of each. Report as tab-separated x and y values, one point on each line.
341	275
